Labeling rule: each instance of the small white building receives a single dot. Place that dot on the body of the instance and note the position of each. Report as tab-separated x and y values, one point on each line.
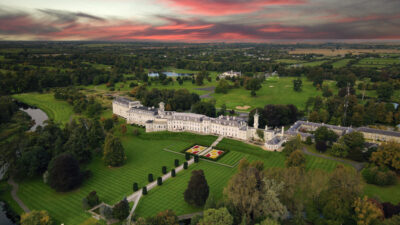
229	74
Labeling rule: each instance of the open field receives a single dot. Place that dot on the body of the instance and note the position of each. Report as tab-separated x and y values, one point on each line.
315	63
341	63
58	110
289	61
378	62
335	52
279	92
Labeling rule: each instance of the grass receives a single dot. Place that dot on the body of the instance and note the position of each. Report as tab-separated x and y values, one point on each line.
58	110
289	61
377	62
341	63
314	63
272	92
5	195
385	194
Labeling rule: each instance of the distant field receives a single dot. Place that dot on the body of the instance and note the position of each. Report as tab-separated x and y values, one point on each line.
279	92
378	62
336	52
289	61
315	63
341	63
58	110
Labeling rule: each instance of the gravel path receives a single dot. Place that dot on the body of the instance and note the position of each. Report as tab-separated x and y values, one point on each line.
15	196
359	166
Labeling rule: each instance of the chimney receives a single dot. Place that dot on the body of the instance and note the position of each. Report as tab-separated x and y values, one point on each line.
283	130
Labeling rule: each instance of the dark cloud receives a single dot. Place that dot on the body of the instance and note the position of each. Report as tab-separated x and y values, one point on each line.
273	24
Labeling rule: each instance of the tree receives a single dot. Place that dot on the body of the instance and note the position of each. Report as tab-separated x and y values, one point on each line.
296	159
114	154
269	221
108	124
385	91
121	210
339	149
366	212
159	181
173	173
252	196
176	162
167	217
106	212
222	87
198	190
123	128
344	186
150	177
355	142
260	134
388	154
64	173
297	84
93	199
36	218
135	187
326	91
291	146
205	108
216	217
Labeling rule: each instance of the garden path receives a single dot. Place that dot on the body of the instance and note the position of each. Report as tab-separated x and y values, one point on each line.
15	196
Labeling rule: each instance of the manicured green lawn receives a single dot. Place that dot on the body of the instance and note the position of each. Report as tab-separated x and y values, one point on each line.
341	63
280	92
58	110
385	194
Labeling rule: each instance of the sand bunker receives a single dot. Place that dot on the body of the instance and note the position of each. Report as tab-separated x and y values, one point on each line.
271	86
245	107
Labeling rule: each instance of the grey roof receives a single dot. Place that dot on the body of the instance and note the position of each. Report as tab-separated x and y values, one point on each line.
377	131
143	109
122	100
276	140
188	117
229	120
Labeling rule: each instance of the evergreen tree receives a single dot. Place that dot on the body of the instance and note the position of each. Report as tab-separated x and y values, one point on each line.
114	154
64	173
121	209
197	191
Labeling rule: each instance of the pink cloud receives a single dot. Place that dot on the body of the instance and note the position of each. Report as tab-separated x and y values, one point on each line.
226	7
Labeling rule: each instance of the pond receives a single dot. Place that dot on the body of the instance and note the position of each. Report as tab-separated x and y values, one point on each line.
4	220
169	74
37	115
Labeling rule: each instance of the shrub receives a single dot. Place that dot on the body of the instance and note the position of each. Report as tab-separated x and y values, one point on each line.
114	153
308	140
159	181
187	156
121	210
164	170
150	177
176	162
144	190
321	146
196	158
85	204
136	132
36	217
173	173
379	176
93	199
185	165
106	212
135	187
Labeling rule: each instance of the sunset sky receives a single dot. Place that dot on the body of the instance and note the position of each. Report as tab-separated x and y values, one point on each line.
200	20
